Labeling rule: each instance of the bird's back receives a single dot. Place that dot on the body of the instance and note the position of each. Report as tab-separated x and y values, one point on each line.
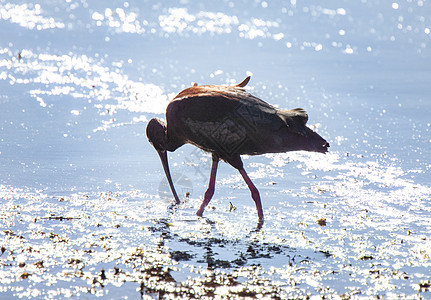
227	120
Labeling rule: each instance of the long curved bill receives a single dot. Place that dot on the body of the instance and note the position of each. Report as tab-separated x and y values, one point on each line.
164	158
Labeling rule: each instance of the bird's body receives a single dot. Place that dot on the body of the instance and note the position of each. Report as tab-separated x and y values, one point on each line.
227	121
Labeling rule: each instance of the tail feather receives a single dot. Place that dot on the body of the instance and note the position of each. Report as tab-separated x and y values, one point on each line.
315	142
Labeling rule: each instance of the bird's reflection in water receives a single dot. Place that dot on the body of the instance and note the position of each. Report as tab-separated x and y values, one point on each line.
208	249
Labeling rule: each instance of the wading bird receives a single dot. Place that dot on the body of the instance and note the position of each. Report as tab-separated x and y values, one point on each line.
227	121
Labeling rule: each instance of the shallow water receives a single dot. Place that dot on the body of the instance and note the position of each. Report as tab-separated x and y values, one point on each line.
84	207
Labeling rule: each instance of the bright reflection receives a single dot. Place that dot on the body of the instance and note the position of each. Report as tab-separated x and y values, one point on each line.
28	16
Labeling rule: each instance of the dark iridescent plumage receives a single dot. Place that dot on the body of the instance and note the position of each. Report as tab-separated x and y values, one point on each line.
228	122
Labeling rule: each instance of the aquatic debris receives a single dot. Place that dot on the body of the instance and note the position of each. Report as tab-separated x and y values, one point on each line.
102	274
424	286
59	218
39	264
321	222
25	275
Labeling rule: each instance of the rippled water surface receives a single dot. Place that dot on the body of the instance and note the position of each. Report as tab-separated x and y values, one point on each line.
85	210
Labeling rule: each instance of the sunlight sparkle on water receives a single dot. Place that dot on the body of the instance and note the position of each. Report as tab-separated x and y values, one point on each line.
81	210
28	16
84	78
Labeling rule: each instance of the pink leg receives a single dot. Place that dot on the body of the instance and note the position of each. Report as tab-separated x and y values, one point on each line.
254	193
210	191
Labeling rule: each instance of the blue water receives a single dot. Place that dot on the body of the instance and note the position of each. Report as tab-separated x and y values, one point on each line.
79	81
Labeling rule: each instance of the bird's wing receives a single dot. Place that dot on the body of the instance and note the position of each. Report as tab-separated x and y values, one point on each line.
215	102
262	113
223	119
234	102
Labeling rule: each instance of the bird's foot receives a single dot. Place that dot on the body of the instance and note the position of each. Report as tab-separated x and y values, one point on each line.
200	212
259	224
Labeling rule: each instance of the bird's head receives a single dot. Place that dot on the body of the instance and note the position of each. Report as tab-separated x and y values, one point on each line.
156	134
